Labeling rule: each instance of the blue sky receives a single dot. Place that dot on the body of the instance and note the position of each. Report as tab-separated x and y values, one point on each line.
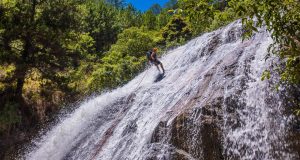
145	4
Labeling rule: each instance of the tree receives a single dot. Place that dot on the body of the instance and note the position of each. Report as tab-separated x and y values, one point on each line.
171	4
220	4
101	24
149	20
129	17
282	19
41	35
200	13
156	9
123	61
163	19
117	3
177	30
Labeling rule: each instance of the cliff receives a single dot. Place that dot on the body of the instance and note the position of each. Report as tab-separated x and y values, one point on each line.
211	104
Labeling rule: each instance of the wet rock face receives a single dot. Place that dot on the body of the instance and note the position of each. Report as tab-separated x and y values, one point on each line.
211	135
212	105
291	97
236	119
195	134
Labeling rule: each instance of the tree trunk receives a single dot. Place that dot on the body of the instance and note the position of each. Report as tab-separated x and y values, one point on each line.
21	74
23	65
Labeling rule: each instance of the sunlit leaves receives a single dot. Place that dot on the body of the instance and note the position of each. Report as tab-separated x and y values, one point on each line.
199	13
123	61
176	30
266	75
101	22
282	19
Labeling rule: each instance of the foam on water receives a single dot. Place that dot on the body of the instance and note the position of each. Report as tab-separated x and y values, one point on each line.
119	124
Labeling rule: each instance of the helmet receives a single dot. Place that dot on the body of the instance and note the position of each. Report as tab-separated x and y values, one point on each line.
154	49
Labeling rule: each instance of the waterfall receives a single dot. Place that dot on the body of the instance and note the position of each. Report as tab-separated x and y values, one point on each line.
211	104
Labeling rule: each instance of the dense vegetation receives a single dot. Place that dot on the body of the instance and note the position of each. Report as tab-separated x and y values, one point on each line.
282	18
52	51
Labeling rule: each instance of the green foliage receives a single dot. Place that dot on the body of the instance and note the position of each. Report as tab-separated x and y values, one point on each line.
177	30
266	74
133	42
6	72
156	9
149	20
9	116
87	46
124	60
282	18
117	3
206	15
200	13
292	69
84	46
171	4
40	35
222	18
94	45
101	24
129	17
162	19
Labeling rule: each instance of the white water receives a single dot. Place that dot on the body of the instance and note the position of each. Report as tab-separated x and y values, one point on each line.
119	124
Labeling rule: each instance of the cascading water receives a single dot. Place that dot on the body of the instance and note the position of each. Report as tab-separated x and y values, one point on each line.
210	105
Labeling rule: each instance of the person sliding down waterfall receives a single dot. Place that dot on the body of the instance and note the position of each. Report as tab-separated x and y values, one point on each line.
152	58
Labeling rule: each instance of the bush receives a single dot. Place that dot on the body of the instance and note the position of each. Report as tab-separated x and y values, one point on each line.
177	30
124	60
222	18
9	116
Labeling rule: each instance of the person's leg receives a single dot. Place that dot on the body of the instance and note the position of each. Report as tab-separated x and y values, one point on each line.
157	68
162	67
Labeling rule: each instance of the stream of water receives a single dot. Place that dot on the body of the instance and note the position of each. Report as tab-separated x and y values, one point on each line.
120	124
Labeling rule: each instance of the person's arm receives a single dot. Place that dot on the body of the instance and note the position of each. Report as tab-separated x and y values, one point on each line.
153	55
